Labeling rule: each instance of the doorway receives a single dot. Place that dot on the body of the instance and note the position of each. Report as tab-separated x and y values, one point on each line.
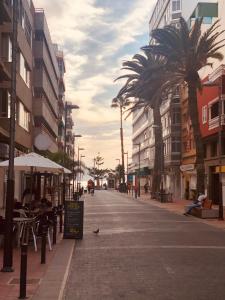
215	188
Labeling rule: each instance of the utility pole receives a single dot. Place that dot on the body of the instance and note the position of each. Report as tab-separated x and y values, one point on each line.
74	138
67	107
8	246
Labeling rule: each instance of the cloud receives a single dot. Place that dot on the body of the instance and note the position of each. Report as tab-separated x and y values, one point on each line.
96	36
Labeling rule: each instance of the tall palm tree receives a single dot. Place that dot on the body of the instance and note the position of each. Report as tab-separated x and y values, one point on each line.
121	102
146	85
186	52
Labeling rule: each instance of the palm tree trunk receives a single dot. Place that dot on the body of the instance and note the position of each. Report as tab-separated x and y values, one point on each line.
159	157
194	115
122	146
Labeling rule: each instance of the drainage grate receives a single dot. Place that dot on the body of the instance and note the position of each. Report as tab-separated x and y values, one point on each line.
29	281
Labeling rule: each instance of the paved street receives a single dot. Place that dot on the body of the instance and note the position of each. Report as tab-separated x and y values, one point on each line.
145	252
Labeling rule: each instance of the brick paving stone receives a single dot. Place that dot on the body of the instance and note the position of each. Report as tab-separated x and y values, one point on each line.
145	250
35	270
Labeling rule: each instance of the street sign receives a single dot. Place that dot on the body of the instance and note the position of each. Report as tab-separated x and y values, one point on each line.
73	221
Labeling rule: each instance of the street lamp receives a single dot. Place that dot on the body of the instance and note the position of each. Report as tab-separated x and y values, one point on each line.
80	167
139	168
78	155
8	246
219	85
74	137
67	107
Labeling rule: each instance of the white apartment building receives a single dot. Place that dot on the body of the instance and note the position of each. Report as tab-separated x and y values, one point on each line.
165	12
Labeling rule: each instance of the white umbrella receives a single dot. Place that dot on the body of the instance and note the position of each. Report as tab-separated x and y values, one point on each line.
37	162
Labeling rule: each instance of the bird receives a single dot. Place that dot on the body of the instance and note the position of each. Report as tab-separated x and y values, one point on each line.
96	231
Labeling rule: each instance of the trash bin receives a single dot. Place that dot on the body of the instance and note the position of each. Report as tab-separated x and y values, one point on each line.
164	197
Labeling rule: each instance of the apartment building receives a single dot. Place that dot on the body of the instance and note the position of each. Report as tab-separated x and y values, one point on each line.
46	88
209	12
212	123
61	97
179	176
24	78
141	146
40	87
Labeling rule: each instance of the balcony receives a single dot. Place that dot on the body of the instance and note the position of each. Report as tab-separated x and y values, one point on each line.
41	110
4	73
214	123
5	11
22	137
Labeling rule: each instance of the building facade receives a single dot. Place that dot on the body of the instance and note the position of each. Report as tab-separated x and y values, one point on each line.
46	88
40	88
24	84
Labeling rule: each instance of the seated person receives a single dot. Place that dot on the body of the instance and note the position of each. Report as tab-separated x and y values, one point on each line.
197	203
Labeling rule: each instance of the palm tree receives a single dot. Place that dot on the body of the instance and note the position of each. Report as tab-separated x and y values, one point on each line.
121	102
146	84
186	52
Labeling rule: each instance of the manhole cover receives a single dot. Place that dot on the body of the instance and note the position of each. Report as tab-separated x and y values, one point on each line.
29	281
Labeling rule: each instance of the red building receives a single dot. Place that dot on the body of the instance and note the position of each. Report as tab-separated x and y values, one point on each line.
212	122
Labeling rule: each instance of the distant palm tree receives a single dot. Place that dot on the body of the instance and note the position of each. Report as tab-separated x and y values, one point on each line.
146	84
122	103
187	51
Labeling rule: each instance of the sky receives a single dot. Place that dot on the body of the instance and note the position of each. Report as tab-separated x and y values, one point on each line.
96	37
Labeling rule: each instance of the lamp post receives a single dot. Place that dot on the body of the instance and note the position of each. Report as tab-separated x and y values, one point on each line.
219	85
139	168
74	138
8	246
67	107
80	167
78	155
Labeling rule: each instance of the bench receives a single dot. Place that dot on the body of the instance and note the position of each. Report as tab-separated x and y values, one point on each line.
206	211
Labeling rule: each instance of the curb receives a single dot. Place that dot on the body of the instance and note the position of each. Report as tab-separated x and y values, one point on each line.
53	283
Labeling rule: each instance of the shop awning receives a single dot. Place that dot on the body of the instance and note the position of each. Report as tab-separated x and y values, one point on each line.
37	162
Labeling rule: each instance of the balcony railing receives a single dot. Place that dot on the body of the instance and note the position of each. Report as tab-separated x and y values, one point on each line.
214	123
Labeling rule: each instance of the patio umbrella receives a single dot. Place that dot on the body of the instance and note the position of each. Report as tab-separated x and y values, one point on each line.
37	162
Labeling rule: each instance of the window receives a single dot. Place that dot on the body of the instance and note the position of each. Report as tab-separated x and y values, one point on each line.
204	114
9	50
175	118
24	117
176	5
24	72
207	20
215	110
4	104
176	145
213	149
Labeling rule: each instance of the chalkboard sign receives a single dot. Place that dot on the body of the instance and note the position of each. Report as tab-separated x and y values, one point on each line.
73	221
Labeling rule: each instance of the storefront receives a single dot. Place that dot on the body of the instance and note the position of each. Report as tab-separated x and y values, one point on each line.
188	181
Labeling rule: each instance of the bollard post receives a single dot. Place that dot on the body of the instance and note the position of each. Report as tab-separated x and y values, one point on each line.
23	271
54	228
43	243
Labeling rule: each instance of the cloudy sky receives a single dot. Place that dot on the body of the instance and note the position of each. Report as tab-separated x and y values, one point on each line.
96	37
